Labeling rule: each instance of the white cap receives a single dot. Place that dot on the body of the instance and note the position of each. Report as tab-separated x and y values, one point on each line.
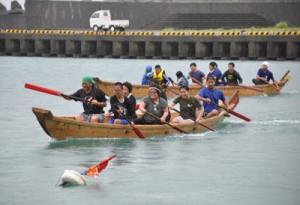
266	63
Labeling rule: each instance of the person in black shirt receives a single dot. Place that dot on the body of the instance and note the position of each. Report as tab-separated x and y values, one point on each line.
232	76
127	89
93	101
120	106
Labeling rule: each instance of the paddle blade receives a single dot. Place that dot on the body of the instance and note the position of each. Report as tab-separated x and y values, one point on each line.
137	106
94	171
41	89
240	116
138	133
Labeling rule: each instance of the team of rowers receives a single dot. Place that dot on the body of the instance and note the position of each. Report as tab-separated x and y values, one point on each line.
155	106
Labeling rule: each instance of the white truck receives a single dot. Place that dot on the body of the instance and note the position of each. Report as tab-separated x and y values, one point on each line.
102	20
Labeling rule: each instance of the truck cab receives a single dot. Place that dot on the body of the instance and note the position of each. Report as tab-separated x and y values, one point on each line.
102	20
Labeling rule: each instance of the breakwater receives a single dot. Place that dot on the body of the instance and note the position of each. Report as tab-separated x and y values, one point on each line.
165	45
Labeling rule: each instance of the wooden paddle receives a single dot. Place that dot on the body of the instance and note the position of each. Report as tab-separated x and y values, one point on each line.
51	92
194	79
250	88
283	77
193	120
135	129
174	127
233	112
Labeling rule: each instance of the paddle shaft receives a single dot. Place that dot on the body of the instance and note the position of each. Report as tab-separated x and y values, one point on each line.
247	87
194	120
194	79
174	127
287	72
233	112
135	129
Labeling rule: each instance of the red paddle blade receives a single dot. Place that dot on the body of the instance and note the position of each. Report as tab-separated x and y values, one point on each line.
137	106
138	133
240	116
41	89
179	130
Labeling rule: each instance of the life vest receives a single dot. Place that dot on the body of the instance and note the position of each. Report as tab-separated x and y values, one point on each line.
159	76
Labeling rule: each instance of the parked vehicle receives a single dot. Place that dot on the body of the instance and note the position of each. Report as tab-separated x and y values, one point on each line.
102	20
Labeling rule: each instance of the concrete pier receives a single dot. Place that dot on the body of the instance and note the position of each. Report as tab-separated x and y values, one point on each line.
152	45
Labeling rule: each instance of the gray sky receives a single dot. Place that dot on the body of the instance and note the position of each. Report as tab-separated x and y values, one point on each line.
6	3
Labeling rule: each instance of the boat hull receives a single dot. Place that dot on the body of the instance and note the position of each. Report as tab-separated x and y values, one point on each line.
62	128
142	90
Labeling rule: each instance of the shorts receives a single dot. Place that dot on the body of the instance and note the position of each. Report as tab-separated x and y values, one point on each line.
123	121
88	117
180	119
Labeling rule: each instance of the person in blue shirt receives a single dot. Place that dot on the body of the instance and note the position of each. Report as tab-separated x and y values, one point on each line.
211	94
195	74
264	75
147	76
181	79
214	72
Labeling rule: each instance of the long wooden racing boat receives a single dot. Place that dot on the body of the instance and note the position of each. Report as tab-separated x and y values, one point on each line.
254	90
61	128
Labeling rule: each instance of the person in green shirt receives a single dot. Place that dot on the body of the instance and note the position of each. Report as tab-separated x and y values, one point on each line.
189	105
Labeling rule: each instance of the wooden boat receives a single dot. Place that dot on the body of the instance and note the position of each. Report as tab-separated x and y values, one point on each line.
142	90
61	128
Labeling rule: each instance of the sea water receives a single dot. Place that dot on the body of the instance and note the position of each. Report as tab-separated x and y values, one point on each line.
241	163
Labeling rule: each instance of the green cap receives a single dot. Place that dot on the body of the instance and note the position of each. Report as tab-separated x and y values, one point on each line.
88	79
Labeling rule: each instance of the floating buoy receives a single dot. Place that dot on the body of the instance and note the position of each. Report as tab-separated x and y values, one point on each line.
71	178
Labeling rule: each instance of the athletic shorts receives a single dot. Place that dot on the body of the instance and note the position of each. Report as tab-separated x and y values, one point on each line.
123	121
180	119
88	117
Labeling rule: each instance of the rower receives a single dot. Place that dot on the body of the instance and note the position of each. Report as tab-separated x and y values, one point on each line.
161	76
231	76
94	101
154	105
190	107
147	76
211	94
181	79
214	72
127	89
264	75
120	106
195	74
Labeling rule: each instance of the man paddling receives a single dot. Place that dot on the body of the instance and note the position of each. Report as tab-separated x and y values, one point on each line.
195	74
94	101
160	75
190	107
211	94
231	76
264	75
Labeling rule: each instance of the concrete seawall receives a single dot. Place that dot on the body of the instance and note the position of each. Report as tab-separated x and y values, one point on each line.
75	14
166	45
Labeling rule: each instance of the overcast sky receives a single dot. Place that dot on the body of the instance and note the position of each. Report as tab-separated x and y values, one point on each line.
6	3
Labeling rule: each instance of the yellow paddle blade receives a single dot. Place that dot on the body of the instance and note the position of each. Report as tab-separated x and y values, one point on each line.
288	78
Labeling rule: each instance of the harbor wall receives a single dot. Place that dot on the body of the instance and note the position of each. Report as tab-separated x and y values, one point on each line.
76	14
152	45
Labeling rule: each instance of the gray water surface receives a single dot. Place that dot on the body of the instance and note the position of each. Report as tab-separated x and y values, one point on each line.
241	163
